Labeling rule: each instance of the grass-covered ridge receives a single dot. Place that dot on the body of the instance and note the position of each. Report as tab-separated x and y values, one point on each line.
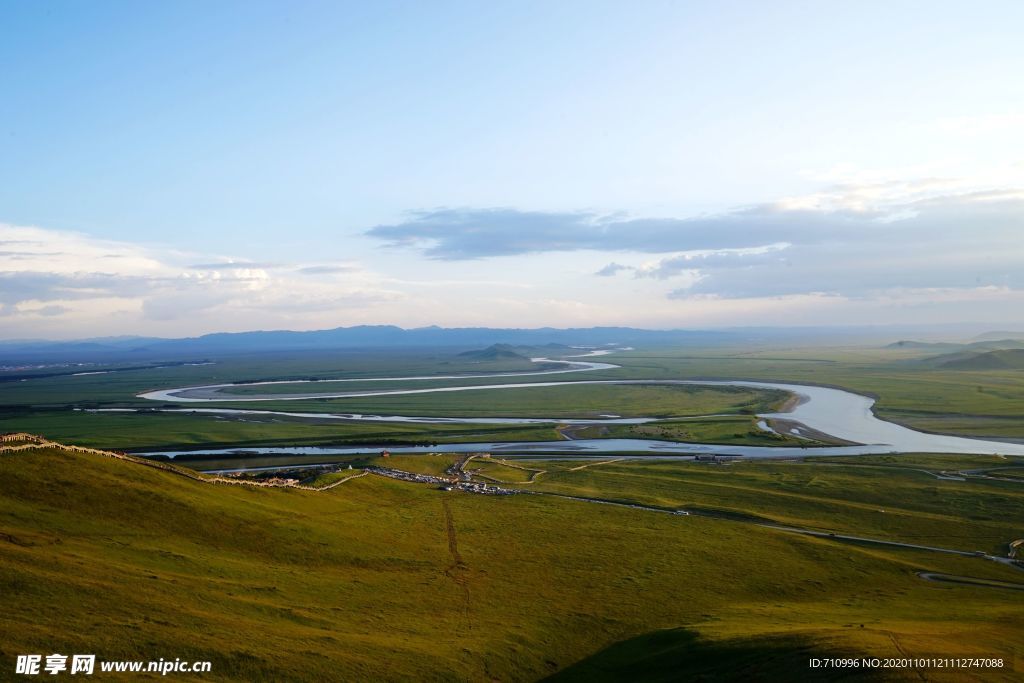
378	579
1000	359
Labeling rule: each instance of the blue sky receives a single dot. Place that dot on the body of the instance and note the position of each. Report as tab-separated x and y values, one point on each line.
178	168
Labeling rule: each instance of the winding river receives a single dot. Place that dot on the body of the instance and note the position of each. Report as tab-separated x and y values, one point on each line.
215	392
838	413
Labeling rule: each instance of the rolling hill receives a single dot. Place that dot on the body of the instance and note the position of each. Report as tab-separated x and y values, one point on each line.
495	352
384	580
1000	359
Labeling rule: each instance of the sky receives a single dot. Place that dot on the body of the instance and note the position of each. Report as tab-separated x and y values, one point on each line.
178	168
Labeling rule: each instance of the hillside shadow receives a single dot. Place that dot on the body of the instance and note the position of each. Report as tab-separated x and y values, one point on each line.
681	655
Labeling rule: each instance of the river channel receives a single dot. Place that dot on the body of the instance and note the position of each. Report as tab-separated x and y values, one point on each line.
838	413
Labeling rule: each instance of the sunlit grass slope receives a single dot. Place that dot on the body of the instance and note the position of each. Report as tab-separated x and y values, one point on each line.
970	403
378	579
896	501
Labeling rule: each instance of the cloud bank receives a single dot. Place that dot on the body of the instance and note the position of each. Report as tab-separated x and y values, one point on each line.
50	279
922	251
851	242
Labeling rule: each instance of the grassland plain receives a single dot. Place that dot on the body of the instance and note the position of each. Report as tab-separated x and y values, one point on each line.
505	472
156	430
909	390
150	431
720	430
897	502
369	581
584	400
127	378
161	429
118	384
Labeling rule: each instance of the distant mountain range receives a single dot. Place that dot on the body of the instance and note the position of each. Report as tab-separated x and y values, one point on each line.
456	339
127	349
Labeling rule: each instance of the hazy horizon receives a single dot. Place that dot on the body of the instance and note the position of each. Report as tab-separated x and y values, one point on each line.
937	332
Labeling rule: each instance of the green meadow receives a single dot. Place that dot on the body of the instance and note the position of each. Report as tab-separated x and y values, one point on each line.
170	430
897	502
909	389
380	579
582	400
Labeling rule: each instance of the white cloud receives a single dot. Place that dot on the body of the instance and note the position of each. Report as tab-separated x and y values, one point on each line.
68	284
852	241
880	249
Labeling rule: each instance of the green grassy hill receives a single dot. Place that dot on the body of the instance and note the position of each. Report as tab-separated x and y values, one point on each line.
494	352
384	580
1001	359
911	344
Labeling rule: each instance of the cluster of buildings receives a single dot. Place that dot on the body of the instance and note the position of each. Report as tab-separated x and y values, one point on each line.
479	487
407	476
446	483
